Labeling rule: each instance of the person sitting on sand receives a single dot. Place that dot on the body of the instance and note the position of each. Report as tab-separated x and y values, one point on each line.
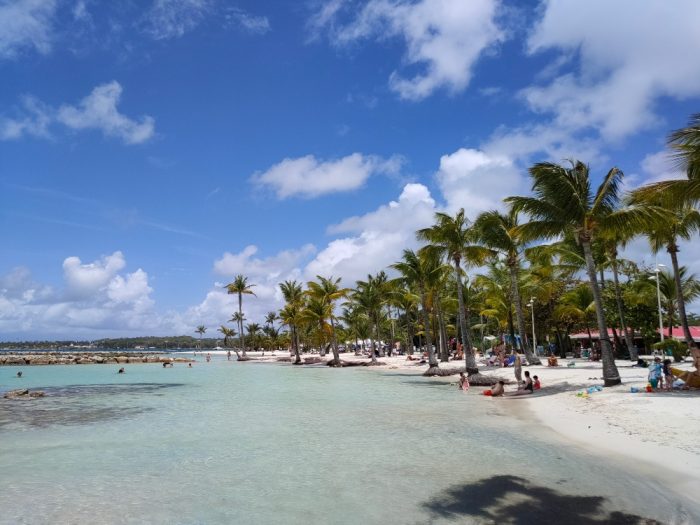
536	385
121	370
527	387
463	382
410	358
552	360
498	389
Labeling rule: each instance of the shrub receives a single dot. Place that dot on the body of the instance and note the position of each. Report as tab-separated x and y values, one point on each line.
678	349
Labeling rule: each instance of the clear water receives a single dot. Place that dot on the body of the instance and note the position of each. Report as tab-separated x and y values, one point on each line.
229	442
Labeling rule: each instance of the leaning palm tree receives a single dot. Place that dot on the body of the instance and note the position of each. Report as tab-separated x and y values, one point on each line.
328	290
201	330
564	202
240	287
228	333
499	232
455	240
679	223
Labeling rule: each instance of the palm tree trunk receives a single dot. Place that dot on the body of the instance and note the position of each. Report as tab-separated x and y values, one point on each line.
610	374
409	334
432	361
240	323
469	358
673	251
295	345
441	330
334	344
629	340
511	326
515	290
375	339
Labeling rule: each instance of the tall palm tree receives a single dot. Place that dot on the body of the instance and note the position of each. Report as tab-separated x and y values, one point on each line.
679	223
368	298
291	313
499	232
201	330
271	318
577	305
329	291
240	286
419	270
455	240
564	202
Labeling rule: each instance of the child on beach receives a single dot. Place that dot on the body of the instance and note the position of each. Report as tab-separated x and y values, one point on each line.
655	373
668	376
536	383
463	382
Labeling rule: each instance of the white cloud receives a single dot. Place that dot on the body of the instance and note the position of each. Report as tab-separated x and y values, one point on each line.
258	25
25	25
96	111
97	300
477	181
99	111
443	37
378	237
626	54
310	177
85	279
173	18
34	119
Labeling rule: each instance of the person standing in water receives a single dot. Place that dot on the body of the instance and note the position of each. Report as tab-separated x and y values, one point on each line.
463	382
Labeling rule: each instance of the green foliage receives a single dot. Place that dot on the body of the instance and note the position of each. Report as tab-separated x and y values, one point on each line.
677	349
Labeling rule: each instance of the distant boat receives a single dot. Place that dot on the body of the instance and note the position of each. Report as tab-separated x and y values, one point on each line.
218	348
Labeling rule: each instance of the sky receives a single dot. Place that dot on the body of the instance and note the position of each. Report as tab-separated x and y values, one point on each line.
151	150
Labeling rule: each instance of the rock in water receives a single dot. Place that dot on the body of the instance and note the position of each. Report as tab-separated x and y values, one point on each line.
23	394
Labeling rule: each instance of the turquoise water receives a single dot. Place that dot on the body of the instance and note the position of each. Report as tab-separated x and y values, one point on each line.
229	442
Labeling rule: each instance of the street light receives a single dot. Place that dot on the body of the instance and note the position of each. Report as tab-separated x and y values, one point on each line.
531	304
655	277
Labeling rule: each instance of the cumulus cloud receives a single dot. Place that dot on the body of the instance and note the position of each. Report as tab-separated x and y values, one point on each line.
34	119
376	238
97	299
477	181
99	111
617	59
310	177
26	25
445	38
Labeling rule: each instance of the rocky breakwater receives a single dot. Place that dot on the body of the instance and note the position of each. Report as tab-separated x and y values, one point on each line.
85	358
23	394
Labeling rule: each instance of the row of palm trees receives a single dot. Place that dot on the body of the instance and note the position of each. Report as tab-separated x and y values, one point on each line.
539	245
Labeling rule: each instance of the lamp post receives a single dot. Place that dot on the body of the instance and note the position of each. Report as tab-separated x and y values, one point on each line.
531	304
657	270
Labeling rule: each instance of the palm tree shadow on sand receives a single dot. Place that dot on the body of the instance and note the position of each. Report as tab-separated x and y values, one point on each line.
516	501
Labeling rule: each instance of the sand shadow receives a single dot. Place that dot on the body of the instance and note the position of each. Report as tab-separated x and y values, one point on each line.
514	500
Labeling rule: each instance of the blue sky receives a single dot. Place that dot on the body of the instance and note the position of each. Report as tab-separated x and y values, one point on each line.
151	150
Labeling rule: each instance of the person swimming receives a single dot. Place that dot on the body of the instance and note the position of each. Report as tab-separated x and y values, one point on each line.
121	370
19	374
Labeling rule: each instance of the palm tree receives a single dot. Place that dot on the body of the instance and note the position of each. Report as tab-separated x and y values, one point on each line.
228	333
253	330
418	270
454	238
689	291
679	223
565	203
328	290
685	147
499	232
240	286
577	305
201	329
368	298
290	314
271	318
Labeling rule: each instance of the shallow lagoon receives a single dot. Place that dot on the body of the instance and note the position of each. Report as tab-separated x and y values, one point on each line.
228	442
